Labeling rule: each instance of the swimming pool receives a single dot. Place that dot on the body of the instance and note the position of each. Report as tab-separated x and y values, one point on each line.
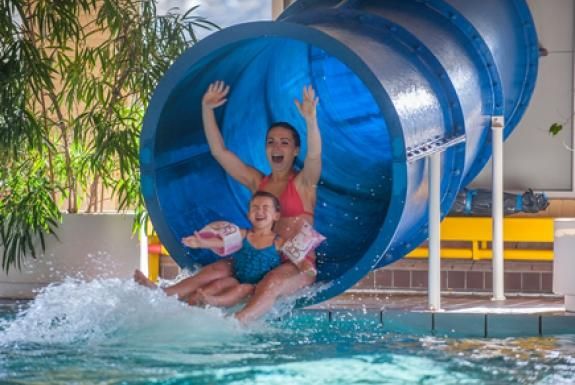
115	332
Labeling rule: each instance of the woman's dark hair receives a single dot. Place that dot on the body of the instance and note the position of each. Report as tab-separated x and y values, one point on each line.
266	194
287	126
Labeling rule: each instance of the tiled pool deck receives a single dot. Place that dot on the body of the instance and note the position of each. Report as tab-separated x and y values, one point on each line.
460	316
471	316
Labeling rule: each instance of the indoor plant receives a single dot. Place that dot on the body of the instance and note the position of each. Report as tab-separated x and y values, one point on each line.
75	79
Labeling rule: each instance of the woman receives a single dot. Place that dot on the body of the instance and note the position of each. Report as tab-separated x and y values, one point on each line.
296	192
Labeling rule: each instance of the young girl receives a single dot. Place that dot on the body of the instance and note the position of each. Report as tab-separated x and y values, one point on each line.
258	255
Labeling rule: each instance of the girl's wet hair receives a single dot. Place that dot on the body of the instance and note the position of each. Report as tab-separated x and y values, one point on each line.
287	126
265	194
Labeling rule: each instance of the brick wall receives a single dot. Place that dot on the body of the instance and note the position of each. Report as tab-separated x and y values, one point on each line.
456	276
461	276
168	267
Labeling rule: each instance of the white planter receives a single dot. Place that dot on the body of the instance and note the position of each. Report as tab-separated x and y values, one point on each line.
564	261
89	246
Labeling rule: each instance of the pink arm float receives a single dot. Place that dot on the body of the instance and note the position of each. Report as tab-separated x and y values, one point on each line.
229	233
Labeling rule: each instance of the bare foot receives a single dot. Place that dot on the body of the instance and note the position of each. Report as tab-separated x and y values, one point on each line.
244	321
141	278
206	299
194	299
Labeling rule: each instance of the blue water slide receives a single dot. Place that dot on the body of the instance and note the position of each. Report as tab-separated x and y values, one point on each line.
397	80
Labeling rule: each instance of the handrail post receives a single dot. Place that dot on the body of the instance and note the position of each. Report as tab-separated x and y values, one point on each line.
144	253
434	290
497	125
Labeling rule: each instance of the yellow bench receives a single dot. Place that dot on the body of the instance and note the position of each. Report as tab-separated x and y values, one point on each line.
477	232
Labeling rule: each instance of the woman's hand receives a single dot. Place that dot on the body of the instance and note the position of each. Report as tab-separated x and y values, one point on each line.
216	94
308	106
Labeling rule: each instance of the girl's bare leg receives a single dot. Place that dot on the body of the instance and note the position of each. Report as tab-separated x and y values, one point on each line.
284	280
141	278
209	273
213	288
184	288
230	297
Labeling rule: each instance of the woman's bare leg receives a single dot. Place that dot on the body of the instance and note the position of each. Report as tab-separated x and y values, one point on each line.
284	280
213	288
230	297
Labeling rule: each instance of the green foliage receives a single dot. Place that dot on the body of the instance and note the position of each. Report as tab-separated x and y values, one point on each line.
555	128
75	79
27	211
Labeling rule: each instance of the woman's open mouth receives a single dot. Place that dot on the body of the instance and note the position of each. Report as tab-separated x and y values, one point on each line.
277	158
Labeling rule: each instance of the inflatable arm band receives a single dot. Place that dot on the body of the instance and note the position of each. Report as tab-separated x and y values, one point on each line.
226	231
306	240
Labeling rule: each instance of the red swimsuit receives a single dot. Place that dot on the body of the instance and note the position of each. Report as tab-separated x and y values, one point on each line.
290	201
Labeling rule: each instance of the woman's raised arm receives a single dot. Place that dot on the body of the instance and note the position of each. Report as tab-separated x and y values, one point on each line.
215	97
311	171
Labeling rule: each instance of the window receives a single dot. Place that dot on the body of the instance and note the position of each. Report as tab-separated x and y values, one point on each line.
223	12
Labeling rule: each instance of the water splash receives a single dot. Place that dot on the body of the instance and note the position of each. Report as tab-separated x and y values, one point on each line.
285	305
114	311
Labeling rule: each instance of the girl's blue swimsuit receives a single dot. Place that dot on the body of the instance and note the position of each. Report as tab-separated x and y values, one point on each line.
251	264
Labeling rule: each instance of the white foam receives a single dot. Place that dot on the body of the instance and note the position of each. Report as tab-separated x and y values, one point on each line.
115	311
394	369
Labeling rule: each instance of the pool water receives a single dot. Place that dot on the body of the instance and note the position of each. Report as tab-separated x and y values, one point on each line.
116	332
